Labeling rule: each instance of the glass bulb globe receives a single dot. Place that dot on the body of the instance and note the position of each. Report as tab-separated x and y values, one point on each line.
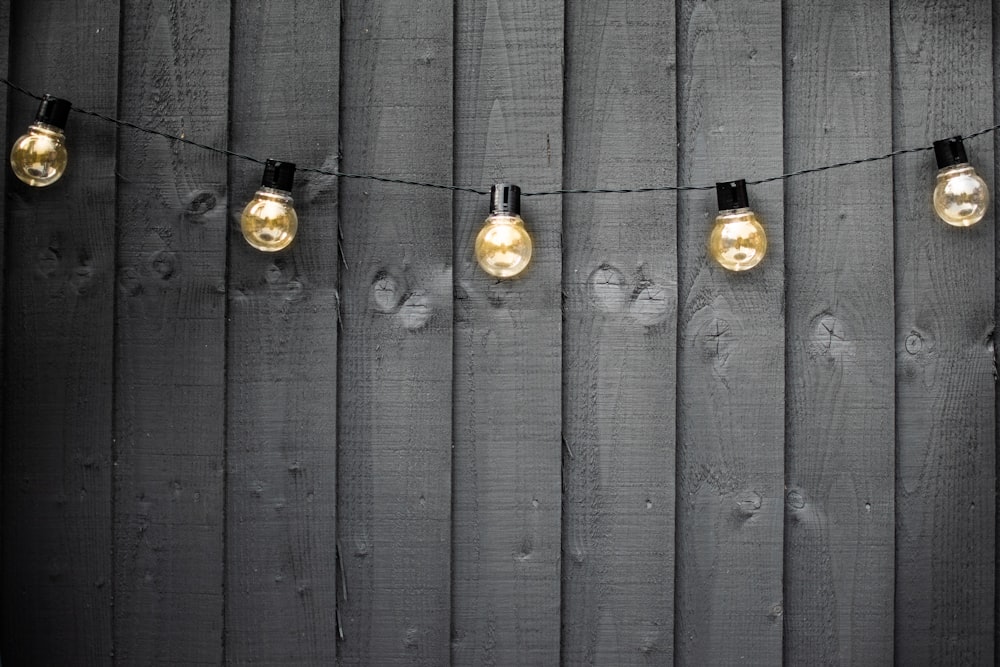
503	246
737	241
269	222
961	196
39	157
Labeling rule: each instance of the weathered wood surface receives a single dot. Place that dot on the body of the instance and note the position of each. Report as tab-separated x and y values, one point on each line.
620	315
5	18
945	472
281	566
250	449
730	366
170	335
395	401
839	521
58	307
507	446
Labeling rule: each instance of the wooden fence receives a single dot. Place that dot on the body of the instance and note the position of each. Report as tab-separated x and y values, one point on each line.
364	451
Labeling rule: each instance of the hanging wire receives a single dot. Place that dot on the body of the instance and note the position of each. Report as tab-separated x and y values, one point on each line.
481	191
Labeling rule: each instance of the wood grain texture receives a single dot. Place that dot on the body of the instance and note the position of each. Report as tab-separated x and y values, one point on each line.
281	566
509	110
945	475
395	373
619	340
839	521
170	371
58	318
996	366
5	17
730	386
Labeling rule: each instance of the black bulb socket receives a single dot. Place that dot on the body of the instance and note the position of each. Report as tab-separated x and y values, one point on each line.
278	175
950	152
53	111
505	199
732	194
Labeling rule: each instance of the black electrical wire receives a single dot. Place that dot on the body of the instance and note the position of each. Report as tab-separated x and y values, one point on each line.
481	191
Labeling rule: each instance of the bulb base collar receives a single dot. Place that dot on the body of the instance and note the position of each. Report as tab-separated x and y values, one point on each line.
278	175
732	194
950	152
505	198
53	111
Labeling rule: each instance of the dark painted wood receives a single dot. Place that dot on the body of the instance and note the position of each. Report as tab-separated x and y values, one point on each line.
730	387
839	517
58	316
395	376
282	346
170	370
945	474
5	17
620	286
507	500
993	346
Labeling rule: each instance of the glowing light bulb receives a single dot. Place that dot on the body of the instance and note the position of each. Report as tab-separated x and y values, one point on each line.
269	222
503	247
39	157
737	241
961	196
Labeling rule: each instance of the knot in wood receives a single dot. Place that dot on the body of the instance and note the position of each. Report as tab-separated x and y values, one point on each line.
386	292
200	203
747	503
650	303
606	287
164	264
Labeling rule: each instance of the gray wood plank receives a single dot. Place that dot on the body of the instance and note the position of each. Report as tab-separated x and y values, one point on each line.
281	597
508	341
945	476
620	286
730	367
58	307
170	366
839	520
5	93
394	511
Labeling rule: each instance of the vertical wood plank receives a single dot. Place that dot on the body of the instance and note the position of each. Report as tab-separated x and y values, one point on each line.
620	286
839	521
5	93
395	393
508	57
170	372
945	481
58	309
730	422
281	597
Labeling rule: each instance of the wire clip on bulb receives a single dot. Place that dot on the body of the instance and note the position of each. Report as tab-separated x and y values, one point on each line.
961	196
39	156
269	221
737	241
503	246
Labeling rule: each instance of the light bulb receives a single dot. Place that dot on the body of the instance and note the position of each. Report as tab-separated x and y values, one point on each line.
961	196
737	241
503	246
269	222
39	157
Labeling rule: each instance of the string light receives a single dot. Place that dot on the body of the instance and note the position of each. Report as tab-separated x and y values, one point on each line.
961	196
269	221
737	241
503	247
39	156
